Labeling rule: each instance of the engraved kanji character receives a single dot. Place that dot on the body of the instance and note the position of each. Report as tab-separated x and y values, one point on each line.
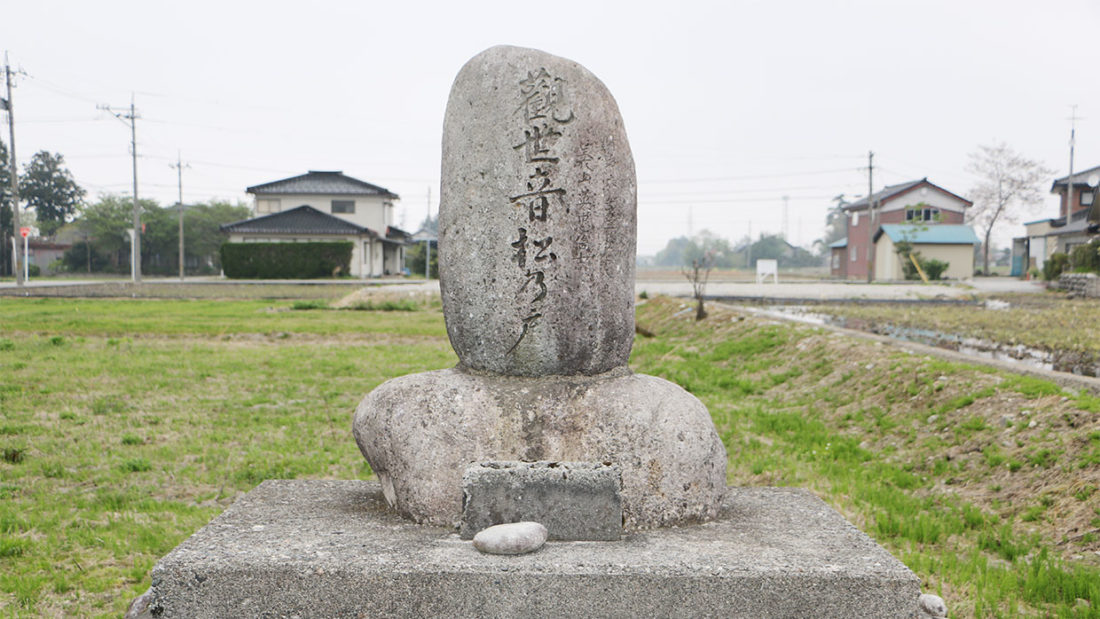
543	255
537	277
537	142
529	323
544	95
520	247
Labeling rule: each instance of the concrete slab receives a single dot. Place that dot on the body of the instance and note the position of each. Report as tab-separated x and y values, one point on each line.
333	549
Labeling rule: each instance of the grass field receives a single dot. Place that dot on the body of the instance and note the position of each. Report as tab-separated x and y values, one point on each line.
127	425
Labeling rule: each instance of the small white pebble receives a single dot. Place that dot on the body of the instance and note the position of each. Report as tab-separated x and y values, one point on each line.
515	538
932	606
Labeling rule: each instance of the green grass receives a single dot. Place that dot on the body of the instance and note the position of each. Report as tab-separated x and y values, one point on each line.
128	425
853	424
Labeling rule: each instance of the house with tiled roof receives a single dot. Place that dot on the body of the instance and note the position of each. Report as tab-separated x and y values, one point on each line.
918	204
1077	223
322	206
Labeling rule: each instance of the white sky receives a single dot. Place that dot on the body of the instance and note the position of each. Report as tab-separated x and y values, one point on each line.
728	105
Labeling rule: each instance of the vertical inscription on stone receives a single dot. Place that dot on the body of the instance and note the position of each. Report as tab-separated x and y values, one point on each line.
543	111
537	218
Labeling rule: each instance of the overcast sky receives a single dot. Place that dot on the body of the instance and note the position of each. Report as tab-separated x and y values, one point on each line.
729	106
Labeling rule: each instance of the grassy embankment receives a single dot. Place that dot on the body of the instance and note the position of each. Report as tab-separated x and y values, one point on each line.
127	425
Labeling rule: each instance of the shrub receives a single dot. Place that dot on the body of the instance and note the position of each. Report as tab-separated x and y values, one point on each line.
286	260
933	268
1086	258
1055	265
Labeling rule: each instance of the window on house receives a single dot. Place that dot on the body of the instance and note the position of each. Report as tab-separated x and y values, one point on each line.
1087	197
855	254
836	261
343	206
922	214
855	219
267	205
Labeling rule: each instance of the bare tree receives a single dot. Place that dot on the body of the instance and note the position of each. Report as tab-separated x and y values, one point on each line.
698	273
1008	187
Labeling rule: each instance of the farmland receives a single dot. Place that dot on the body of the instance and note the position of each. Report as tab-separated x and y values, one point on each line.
127	424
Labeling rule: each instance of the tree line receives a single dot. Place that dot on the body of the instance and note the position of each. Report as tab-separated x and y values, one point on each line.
97	231
718	253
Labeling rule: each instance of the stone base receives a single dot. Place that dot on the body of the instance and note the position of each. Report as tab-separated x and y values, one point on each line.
334	549
421	431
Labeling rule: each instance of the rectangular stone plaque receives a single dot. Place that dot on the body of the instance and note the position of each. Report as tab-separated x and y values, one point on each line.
575	501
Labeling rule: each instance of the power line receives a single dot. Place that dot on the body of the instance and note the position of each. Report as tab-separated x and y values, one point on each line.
743	178
642	201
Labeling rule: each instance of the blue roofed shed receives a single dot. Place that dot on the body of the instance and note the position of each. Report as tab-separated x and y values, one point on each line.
951	243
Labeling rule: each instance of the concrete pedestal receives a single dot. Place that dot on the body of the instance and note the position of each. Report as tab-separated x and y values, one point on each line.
333	549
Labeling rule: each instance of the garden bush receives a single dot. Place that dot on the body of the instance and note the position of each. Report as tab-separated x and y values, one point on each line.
1086	258
1055	265
286	260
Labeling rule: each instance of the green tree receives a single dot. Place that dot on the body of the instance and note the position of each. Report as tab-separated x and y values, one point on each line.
48	187
683	251
105	223
202	233
836	226
414	259
775	247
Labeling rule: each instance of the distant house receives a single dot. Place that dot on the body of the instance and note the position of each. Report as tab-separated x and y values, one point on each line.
328	206
913	205
45	253
1077	222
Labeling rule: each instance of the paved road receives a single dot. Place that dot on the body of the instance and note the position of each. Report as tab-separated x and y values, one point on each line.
829	289
803	289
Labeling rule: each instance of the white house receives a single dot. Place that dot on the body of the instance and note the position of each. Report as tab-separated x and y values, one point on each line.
328	206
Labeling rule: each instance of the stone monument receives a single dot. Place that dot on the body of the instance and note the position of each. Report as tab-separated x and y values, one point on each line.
541	416
537	229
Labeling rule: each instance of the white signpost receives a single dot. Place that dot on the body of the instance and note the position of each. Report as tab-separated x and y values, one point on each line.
25	232
764	268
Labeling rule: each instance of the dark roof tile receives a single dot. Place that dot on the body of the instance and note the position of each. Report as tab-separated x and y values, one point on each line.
325	183
300	220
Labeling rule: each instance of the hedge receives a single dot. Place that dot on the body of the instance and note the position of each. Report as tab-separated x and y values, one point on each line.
286	260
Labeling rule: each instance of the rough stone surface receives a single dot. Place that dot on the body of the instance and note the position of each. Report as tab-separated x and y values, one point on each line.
139	607
420	432
332	549
576	501
932	606
512	538
537	218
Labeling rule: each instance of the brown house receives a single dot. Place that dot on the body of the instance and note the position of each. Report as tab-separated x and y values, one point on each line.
918	202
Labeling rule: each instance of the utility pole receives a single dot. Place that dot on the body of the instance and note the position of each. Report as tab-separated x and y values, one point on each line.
748	250
786	219
870	215
179	166
1069	179
10	107
428	241
135	246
